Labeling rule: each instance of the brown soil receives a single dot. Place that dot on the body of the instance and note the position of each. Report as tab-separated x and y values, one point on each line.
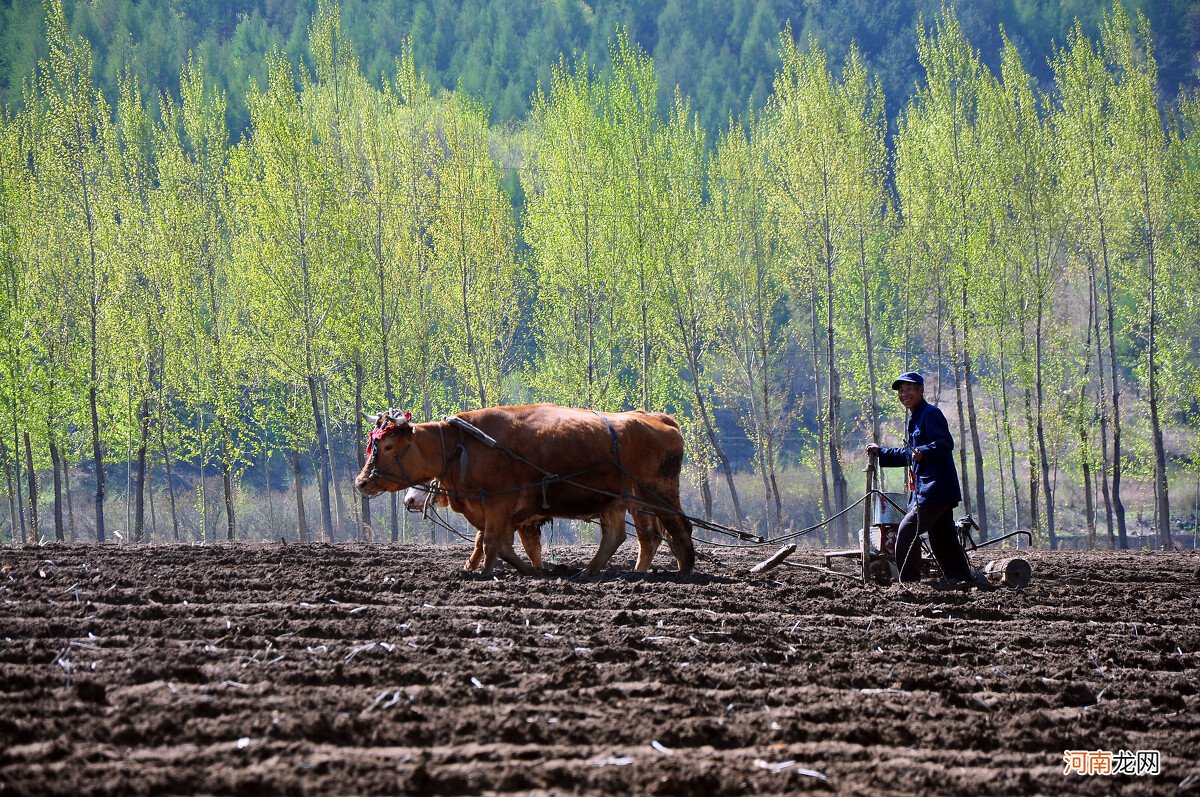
314	669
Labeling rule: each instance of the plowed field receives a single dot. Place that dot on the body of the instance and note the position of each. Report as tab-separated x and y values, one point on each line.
311	669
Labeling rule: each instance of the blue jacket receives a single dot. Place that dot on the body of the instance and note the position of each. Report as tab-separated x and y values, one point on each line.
935	476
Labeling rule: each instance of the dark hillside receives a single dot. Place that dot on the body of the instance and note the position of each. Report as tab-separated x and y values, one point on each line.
721	53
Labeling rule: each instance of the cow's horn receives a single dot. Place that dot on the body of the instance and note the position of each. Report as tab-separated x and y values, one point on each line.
371	418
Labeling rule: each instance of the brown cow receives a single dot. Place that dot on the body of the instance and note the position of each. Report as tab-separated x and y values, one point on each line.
547	461
649	531
419	495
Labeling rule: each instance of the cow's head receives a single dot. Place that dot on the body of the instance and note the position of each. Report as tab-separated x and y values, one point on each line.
417	497
386	444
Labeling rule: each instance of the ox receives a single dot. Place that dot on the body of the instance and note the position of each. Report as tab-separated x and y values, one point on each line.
419	495
522	465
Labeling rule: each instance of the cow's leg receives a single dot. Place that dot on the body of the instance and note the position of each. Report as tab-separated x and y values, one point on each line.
612	534
489	549
531	541
679	537
498	541
649	534
476	556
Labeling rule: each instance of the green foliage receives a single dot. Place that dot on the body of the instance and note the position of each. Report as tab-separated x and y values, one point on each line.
571	215
382	242
479	292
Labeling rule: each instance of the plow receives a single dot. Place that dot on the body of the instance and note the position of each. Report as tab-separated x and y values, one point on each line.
874	559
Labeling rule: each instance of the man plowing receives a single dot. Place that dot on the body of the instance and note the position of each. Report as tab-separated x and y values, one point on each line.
928	454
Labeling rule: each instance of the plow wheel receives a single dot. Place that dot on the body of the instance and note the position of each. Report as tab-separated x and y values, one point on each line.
882	571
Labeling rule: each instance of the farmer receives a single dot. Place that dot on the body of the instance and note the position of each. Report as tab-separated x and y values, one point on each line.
927	452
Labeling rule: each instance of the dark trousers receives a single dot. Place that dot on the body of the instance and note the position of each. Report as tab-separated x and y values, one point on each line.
937	520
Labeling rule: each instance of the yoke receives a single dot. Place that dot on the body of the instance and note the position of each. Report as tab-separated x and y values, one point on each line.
473	430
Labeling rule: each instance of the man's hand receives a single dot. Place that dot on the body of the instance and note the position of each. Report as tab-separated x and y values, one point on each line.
917	455
873	449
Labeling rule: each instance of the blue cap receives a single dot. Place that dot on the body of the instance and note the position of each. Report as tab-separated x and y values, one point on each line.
912	377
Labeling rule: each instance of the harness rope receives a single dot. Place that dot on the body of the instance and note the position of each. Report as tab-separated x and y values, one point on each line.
548	478
626	477
551	478
430	511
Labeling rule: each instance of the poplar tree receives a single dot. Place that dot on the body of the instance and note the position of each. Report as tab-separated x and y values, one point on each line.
373	185
1063	269
332	98
138	312
829	156
692	302
290	242
1139	145
939	178
570	227
1181	368
191	153
1020	168
26	270
393	165
634	130
753	334
1081	121
77	161
806	159
1030	230
10	289
869	223
419	368
474	239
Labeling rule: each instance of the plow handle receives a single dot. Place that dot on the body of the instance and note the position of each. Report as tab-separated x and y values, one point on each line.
866	526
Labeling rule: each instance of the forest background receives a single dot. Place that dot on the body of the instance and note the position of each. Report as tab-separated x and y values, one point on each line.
225	232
